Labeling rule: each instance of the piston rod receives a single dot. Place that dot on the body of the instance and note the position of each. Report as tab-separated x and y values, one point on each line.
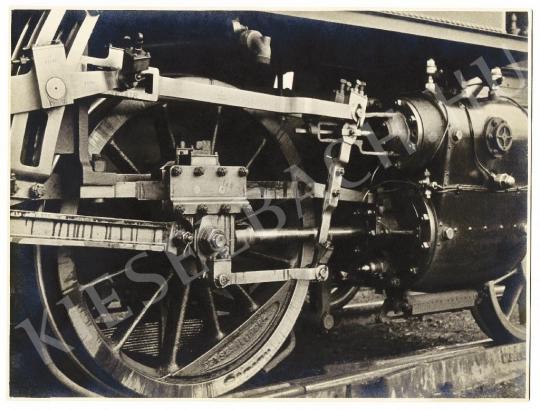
250	236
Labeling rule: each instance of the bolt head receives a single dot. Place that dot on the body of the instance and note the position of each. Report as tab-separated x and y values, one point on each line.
221	171
327	321
457	136
448	233
243	171
198	171
335	193
322	273
203	209
225	209
223	280
176	171
179	209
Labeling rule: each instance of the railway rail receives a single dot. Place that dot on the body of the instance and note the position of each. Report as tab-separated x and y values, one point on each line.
442	371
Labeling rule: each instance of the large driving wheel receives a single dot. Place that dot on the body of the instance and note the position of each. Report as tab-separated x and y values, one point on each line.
156	336
501	308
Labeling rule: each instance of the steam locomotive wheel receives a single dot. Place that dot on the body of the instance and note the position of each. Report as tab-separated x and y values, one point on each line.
501	310
159	337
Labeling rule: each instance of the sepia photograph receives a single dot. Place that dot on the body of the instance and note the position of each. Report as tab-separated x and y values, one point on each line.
264	203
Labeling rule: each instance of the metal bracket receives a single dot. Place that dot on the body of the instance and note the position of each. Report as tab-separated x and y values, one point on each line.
54	82
332	193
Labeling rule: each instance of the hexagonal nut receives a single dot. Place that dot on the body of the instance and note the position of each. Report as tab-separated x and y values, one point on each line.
217	239
221	171
176	171
243	171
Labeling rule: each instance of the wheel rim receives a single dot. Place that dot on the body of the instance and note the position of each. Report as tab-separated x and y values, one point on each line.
215	371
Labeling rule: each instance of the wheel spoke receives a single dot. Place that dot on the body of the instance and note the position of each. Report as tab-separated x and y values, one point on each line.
240	294
167	142
256	154
216	128
511	295
101	279
141	314
173	332
272	258
504	277
209	305
122	155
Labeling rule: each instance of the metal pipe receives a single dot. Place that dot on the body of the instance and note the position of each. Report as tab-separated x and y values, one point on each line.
251	236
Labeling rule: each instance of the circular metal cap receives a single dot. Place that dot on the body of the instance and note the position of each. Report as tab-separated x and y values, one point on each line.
56	89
